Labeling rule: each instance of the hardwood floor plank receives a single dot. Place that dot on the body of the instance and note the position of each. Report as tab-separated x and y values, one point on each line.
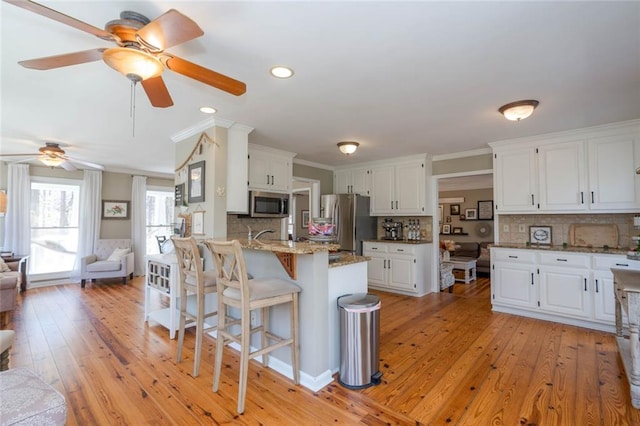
446	358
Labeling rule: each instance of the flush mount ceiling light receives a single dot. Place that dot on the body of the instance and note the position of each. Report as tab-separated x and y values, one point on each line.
136	65
348	147
281	72
516	111
208	110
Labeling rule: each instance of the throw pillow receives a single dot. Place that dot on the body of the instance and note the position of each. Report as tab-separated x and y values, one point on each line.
118	254
3	266
485	254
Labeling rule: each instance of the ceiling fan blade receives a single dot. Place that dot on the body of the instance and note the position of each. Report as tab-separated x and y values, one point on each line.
157	92
68	166
64	60
169	29
18	155
204	75
62	18
86	163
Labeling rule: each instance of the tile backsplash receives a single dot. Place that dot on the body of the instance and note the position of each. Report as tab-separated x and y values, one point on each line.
237	227
426	233
518	226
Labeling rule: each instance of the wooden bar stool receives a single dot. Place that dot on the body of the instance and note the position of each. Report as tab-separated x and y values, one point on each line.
193	279
236	290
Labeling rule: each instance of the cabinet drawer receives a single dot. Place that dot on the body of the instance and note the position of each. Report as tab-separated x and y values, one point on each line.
565	259
519	256
401	249
375	247
608	262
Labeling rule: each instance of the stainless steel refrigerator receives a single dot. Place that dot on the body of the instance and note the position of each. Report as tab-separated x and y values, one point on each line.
350	215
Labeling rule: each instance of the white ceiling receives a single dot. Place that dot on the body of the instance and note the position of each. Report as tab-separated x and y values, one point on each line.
399	77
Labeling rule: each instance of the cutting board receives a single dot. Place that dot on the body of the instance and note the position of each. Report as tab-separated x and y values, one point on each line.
589	235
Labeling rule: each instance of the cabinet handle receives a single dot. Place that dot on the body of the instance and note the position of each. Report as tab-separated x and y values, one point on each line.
389	264
400	249
271	179
532	202
581	197
585	284
596	286
513	257
622	264
561	260
396	205
267	179
384	263
592	198
392	205
374	248
532	278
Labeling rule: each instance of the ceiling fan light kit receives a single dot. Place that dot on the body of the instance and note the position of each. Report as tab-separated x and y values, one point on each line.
519	110
348	147
51	161
136	65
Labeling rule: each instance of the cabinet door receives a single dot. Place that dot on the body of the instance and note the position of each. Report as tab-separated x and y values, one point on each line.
563	181
409	188
604	296
259	171
565	291
516	177
514	285
377	268
382	190
401	270
360	181
342	182
280	171
613	183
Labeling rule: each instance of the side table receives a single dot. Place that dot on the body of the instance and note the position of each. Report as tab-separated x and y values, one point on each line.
23	267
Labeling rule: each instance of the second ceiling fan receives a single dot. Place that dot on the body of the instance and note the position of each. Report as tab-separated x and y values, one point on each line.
140	54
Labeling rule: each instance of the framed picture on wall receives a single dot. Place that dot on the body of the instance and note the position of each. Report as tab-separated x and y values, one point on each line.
304	221
446	229
440	213
485	210
455	209
197	223
196	182
457	230
471	214
115	209
540	234
179	195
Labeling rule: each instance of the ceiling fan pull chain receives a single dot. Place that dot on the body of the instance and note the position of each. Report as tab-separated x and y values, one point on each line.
132	108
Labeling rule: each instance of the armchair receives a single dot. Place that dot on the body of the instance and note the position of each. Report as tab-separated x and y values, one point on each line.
113	258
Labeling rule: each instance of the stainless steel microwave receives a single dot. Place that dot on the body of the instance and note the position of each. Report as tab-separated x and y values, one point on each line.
268	204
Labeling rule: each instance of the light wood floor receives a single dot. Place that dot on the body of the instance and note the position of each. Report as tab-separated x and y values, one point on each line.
445	358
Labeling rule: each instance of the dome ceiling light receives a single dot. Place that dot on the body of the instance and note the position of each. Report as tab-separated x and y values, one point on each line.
516	111
348	147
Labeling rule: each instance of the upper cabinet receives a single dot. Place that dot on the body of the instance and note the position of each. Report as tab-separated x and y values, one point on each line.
586	170
351	181
399	188
269	169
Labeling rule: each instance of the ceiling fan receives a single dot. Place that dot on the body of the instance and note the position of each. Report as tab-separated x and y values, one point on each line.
140	54
52	155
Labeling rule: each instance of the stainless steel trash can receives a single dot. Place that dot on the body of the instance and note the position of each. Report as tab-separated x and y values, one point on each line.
359	337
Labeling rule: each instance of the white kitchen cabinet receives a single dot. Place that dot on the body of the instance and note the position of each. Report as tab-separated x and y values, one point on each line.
163	278
269	171
351	181
398	189
613	183
569	172
565	291
513	278
602	278
398	268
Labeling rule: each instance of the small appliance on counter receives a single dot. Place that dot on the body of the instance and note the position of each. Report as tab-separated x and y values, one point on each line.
392	230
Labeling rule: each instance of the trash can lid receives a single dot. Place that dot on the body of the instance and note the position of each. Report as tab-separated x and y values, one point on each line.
358	301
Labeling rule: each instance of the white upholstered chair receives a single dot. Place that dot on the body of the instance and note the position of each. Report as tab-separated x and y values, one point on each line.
236	290
113	258
195	280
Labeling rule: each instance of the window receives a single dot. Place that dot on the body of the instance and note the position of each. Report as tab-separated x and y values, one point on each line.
159	216
54	226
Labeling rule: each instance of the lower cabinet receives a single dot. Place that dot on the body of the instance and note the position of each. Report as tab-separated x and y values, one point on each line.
397	267
571	288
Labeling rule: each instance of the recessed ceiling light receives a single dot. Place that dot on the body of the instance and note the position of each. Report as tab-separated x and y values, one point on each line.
208	110
281	72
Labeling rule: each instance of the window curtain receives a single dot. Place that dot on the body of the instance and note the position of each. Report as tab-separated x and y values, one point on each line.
139	223
90	216
17	222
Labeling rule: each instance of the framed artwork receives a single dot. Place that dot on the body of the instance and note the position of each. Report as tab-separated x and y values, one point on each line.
455	209
115	209
446	229
540	235
179	195
440	213
197	223
485	210
448	219
471	214
305	219
457	230
196	182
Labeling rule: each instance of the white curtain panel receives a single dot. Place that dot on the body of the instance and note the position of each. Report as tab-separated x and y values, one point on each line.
90	216
17	226
139	223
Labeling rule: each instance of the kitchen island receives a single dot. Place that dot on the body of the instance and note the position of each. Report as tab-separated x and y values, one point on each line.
322	282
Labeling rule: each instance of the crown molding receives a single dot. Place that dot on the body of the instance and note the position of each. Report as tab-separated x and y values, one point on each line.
201	127
312	164
462	154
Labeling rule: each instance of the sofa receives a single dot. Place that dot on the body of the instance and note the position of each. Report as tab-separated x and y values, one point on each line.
479	251
113	258
10	278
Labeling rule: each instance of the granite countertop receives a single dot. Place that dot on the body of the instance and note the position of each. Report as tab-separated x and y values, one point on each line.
347	259
567	249
399	241
280	246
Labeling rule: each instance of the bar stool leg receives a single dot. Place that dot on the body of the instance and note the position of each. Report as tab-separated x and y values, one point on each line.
295	345
264	317
199	333
244	357
181	326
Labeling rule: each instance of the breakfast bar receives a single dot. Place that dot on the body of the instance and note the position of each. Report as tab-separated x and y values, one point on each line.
322	280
